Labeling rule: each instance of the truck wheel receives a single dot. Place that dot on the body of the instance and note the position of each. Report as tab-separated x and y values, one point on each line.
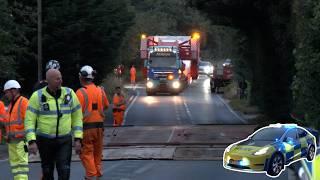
212	90
212	86
276	164
175	93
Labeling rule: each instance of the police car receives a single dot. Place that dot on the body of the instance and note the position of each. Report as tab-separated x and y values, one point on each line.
270	149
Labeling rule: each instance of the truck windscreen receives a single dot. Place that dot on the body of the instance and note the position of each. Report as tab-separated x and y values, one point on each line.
158	61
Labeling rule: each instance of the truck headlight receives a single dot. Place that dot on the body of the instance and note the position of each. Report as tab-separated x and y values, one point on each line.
149	84
261	151
176	85
207	69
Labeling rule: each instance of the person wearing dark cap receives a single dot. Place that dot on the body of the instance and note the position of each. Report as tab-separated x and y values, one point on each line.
52	64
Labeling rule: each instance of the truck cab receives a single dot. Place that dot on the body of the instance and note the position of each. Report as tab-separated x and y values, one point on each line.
170	62
163	70
222	75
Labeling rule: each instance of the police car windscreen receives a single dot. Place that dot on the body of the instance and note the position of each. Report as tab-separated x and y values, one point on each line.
269	134
163	61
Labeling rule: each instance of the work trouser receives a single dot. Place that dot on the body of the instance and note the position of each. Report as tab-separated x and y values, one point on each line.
133	79
91	151
118	117
55	152
18	160
316	166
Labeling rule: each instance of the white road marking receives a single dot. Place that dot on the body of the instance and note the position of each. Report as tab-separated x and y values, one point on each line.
109	168
4	160
129	107
171	135
143	168
234	113
187	110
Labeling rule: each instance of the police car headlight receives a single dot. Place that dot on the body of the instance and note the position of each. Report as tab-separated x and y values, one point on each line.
149	84
244	162
261	151
176	85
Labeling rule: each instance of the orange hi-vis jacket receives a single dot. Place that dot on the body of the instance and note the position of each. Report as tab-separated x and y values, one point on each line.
14	122
93	101
2	117
2	112
119	100
118	109
133	73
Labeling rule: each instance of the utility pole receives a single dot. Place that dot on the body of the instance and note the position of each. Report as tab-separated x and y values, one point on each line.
39	40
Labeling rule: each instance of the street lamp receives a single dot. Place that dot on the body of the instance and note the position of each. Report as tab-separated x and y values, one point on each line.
39	40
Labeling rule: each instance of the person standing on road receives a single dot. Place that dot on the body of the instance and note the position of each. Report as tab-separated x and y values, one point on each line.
133	73
13	121
242	86
94	102
57	112
118	107
52	64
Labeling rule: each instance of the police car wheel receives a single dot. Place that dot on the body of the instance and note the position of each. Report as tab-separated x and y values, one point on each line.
276	165
212	89
311	153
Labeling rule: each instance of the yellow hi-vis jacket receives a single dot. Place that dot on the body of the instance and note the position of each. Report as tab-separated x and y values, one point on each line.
54	117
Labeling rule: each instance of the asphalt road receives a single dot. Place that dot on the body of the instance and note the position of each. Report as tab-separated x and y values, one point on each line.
152	170
196	105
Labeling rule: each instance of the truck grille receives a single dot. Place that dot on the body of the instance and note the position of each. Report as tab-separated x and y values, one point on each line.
162	75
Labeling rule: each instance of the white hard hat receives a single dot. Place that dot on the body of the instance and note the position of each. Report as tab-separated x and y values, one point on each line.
87	72
11	84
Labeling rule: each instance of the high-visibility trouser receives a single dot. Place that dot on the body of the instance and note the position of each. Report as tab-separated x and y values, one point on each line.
118	116
316	167
133	79
91	152
18	160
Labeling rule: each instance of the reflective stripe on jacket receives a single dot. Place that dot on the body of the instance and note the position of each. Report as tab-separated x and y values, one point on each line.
54	117
94	102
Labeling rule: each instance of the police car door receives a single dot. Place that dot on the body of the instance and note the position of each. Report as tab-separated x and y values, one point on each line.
303	141
292	145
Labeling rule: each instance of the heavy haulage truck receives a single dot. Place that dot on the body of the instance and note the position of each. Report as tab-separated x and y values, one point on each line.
222	75
170	62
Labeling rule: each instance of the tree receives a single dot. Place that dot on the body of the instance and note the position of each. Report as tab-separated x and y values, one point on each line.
7	46
160	17
84	32
306	85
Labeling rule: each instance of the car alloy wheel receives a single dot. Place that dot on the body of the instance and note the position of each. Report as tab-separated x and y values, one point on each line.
276	165
311	153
